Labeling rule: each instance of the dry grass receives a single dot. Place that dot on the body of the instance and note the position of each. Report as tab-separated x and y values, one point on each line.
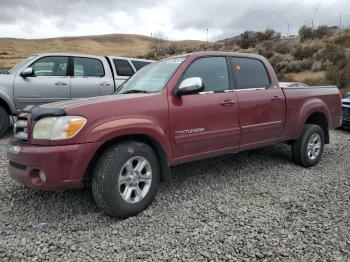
14	50
344	91
308	77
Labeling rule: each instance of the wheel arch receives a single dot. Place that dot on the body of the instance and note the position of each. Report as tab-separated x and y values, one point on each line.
320	119
146	139
314	111
7	105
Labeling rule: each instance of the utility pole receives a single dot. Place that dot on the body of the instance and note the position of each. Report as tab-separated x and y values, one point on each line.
340	25
207	36
313	19
288	30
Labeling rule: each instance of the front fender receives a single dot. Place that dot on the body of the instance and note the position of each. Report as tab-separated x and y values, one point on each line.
8	100
131	126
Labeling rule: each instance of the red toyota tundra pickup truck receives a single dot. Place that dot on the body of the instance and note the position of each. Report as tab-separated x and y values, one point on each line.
177	110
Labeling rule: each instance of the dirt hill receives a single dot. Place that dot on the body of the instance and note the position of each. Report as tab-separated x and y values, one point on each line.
13	50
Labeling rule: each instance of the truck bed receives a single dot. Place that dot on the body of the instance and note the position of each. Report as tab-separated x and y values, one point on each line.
298	100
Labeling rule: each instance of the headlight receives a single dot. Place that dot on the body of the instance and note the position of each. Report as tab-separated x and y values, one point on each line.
57	128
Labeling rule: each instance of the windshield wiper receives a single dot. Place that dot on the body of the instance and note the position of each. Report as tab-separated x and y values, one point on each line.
134	91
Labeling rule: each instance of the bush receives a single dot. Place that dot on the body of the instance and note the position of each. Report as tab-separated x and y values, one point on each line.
268	35
305	33
332	53
283	47
306	64
342	39
304	51
247	41
294	66
339	76
321	32
316	66
266	49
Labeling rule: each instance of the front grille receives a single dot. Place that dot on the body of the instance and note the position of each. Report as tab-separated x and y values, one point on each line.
20	128
346	112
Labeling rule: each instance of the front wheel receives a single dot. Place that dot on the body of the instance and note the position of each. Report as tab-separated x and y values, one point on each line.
126	179
308	148
4	122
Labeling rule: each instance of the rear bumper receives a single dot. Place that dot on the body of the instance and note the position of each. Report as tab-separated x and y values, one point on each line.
64	166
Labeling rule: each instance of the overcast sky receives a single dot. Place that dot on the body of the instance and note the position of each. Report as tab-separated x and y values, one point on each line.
176	19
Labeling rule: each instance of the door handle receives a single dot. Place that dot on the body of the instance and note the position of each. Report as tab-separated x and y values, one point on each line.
105	84
276	98
60	84
227	103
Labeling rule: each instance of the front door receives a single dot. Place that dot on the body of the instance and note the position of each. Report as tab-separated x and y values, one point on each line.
205	123
261	106
49	83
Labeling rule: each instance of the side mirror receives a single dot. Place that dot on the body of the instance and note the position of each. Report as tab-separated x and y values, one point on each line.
27	72
190	86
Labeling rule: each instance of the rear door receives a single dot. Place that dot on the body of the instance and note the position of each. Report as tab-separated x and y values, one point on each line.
205	123
261	106
50	82
90	77
123	70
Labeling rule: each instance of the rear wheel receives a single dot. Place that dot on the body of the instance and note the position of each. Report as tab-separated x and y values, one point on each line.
126	179
4	122
308	148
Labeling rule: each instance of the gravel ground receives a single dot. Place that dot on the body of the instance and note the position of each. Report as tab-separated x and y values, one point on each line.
256	205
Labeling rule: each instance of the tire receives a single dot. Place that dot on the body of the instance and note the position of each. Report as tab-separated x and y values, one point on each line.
110	183
4	122
304	149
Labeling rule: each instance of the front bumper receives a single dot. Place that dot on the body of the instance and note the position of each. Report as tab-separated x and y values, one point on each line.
345	123
64	166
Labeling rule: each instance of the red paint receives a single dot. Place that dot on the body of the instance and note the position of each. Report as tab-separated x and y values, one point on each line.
63	165
227	122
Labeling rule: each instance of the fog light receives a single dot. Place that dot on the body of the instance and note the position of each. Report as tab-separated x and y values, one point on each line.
42	176
13	149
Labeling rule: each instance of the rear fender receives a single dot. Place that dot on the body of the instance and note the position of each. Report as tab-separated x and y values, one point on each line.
311	106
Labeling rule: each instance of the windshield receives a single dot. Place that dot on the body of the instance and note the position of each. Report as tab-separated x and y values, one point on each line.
14	69
152	78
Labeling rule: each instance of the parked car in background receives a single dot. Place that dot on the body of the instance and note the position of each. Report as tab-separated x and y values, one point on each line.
346	111
174	111
292	84
53	77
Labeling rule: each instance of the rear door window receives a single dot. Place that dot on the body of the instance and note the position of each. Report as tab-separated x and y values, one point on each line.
212	70
250	73
123	67
139	64
88	67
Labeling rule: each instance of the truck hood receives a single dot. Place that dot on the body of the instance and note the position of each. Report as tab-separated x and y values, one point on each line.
90	102
106	108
